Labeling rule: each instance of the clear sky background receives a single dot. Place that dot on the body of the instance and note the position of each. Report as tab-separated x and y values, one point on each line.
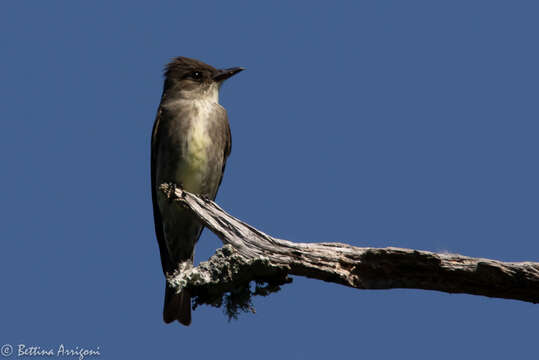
395	123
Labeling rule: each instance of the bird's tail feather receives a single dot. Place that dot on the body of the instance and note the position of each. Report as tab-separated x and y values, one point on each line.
177	306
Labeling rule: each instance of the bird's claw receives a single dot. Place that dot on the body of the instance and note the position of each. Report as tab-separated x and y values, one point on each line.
170	190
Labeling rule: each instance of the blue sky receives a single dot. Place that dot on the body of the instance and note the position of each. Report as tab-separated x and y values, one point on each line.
410	124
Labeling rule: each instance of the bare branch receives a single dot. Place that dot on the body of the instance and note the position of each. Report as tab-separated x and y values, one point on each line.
251	255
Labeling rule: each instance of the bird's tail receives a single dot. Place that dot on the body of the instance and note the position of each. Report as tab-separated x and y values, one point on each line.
177	306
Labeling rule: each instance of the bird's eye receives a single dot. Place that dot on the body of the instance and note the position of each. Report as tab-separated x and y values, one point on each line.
196	75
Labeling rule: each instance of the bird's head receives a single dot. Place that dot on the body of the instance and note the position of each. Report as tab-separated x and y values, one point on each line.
192	79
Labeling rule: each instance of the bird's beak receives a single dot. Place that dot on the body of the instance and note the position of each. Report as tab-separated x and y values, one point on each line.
224	74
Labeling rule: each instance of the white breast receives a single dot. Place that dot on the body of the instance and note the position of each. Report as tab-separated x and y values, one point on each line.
198	138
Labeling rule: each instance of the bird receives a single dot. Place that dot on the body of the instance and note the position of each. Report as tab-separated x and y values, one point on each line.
190	143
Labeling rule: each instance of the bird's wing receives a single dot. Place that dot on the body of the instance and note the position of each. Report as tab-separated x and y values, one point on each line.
158	222
228	147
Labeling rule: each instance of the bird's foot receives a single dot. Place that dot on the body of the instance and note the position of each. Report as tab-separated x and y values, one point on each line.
170	190
183	192
204	197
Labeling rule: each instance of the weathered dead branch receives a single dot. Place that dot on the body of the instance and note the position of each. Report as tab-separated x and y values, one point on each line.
251	255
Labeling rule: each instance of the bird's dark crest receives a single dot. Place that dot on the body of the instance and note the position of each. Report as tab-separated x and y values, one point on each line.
182	65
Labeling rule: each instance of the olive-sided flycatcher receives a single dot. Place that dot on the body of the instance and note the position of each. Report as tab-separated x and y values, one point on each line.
190	144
